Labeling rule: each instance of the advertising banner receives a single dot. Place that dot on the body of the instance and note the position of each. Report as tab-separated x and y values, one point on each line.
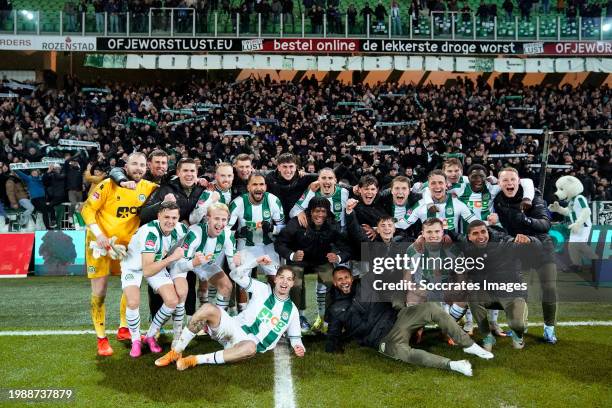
352	46
59	253
15	254
47	43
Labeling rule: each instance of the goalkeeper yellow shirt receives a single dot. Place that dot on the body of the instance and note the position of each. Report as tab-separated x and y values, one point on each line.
115	209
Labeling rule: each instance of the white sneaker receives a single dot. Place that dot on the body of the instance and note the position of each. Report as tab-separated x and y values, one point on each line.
462	366
478	351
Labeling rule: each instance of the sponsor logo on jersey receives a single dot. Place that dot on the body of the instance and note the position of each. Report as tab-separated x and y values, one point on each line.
91	269
150	244
477	204
266	317
96	195
129	276
142	197
124	212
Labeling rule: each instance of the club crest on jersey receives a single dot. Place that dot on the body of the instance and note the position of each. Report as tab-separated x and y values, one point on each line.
218	247
142	197
337	206
449	211
266	214
91	269
285	316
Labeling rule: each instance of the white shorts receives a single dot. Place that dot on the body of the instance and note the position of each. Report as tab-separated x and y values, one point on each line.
253	252
134	278
229	333
205	272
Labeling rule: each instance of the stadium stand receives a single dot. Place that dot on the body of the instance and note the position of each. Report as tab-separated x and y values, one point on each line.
468	119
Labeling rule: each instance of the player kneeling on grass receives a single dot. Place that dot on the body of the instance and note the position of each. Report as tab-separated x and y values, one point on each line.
379	325
257	329
147	256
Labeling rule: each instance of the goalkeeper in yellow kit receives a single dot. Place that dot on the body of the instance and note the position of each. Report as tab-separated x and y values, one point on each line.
112	211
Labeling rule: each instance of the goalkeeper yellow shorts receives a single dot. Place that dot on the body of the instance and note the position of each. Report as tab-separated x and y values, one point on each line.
103	266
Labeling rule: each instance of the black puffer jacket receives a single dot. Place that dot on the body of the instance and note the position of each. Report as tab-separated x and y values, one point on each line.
288	191
316	243
533	222
352	317
185	202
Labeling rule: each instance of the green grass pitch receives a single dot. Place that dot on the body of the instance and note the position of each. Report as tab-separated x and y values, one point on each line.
575	372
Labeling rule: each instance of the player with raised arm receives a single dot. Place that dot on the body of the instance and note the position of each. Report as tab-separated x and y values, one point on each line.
206	247
149	256
111	211
327	187
260	216
257	329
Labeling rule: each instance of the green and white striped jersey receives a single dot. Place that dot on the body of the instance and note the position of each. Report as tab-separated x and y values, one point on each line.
575	206
250	215
215	249
267	317
337	200
150	239
450	211
205	200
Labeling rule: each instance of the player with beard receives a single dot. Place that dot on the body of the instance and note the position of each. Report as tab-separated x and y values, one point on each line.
112	211
352	316
286	183
220	190
327	187
501	264
157	172
257	329
443	206
533	221
258	216
400	202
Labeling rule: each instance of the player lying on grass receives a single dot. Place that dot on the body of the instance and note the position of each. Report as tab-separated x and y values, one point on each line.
379	325
149	256
257	329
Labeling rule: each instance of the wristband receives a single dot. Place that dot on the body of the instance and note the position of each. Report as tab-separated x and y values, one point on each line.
95	229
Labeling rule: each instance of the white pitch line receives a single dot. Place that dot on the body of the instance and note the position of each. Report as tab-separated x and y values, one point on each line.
283	381
79	332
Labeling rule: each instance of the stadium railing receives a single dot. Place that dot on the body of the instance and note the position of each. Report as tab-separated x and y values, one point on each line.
192	22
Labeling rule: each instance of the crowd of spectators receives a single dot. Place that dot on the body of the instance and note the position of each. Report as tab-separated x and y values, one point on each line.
310	119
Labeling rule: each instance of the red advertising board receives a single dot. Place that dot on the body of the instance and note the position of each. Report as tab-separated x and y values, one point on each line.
15	253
